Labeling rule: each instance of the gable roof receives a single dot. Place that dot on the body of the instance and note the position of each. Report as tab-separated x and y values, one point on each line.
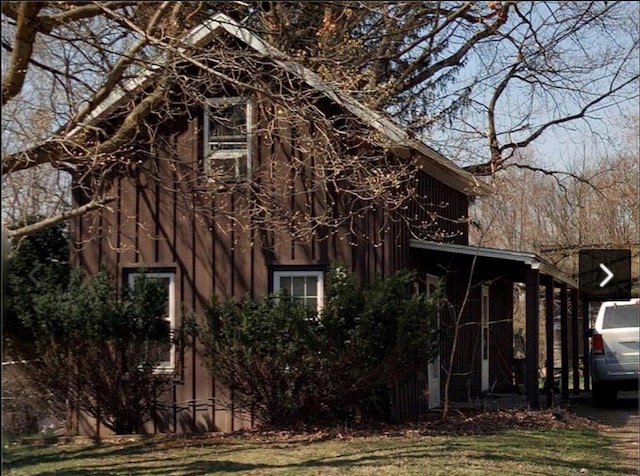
431	161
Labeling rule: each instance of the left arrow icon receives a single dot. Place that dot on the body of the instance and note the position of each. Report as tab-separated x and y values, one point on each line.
32	274
609	275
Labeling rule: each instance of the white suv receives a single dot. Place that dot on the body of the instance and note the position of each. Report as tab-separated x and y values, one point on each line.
615	350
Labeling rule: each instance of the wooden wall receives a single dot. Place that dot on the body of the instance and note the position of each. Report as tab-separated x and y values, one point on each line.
451	207
171	224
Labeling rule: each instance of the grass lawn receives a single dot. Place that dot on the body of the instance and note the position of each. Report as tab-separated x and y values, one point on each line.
554	451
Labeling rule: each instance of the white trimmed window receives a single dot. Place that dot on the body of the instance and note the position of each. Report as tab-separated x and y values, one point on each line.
165	352
227	137
303	285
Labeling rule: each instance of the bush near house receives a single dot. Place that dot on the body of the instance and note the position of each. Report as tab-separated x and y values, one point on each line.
91	347
33	266
87	345
288	364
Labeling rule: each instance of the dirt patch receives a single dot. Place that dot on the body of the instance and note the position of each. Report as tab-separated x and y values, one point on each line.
466	422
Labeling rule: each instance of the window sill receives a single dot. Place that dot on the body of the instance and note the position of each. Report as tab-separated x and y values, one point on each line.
220	185
163	370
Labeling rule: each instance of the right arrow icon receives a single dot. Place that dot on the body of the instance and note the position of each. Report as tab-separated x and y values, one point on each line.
605	274
609	275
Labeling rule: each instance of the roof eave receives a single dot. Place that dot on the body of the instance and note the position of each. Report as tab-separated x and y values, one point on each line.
197	37
449	173
530	259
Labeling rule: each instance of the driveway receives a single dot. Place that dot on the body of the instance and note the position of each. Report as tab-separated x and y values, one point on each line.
620	423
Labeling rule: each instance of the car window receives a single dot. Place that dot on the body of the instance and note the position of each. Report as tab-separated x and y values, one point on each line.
621	316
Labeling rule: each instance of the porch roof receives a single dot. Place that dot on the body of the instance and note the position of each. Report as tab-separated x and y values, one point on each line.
529	269
531	260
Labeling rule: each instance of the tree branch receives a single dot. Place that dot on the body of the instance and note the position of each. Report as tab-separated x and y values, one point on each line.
47	24
51	221
26	31
561	120
456	58
115	75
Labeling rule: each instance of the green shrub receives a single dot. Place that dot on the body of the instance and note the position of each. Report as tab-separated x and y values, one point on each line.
88	345
391	334
288	365
265	353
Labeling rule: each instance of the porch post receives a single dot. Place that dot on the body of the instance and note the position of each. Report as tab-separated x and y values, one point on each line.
575	341
586	324
532	318
564	343
548	327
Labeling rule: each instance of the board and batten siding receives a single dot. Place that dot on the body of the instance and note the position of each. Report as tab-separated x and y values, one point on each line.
166	224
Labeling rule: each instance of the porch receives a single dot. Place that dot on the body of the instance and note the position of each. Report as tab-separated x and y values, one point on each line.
550	296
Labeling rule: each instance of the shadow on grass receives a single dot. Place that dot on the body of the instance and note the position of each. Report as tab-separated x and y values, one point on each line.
540	451
197	467
20	456
535	450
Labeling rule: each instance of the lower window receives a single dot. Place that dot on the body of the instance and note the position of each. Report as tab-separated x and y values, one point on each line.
303	285
164	352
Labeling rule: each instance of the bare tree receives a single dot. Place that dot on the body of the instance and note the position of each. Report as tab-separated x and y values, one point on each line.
480	70
594	203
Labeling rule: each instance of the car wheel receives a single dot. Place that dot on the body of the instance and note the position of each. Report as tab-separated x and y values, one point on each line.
603	394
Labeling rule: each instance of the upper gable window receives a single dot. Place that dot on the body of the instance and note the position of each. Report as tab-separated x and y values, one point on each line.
227	144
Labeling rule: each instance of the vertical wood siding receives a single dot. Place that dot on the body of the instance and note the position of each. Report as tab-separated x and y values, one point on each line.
165	224
451	206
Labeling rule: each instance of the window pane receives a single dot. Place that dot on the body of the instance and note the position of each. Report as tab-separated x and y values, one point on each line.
312	285
159	345
285	283
304	287
298	286
228	121
160	353
242	165
621	316
226	139
163	281
225	166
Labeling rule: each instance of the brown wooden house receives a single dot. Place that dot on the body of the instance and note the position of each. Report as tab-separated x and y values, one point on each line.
220	236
